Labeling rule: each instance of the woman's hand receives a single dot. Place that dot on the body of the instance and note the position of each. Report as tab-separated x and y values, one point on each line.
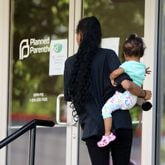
148	95
136	90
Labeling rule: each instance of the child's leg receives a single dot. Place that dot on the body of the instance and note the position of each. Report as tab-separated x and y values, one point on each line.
107	125
128	100
110	106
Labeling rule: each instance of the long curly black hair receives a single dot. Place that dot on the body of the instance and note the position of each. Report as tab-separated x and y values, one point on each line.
90	41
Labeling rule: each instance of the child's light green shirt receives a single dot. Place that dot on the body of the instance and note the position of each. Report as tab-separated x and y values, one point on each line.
136	71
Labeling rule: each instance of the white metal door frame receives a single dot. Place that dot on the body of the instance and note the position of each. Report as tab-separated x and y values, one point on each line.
4	58
72	138
150	59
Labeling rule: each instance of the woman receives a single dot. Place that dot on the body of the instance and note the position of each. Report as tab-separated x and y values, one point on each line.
87	86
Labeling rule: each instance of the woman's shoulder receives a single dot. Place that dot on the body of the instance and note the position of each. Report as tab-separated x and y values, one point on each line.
106	50
70	59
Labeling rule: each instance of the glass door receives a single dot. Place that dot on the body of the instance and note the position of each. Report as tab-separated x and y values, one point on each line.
39	33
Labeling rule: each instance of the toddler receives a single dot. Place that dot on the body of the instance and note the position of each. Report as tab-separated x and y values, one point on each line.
133	50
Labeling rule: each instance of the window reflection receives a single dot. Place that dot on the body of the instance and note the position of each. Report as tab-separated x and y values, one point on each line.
34	24
118	18
32	91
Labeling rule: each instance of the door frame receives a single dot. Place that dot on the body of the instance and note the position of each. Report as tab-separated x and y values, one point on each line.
4	70
72	136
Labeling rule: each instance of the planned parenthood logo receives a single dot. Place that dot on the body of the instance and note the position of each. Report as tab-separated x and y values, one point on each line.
31	46
24	49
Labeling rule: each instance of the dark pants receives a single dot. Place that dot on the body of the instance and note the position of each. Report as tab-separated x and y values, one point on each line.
120	149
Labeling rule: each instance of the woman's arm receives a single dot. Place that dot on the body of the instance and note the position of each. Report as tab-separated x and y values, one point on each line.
136	90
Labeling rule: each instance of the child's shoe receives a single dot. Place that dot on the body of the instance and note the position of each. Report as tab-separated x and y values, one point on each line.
105	140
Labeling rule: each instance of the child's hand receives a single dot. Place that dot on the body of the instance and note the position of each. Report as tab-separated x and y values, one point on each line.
113	82
148	71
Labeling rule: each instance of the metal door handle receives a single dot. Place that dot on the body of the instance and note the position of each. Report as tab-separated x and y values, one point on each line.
58	121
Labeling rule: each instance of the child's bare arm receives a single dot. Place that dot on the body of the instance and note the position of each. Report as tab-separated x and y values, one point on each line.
115	74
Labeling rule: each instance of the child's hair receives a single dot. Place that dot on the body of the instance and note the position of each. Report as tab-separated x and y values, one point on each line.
134	46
